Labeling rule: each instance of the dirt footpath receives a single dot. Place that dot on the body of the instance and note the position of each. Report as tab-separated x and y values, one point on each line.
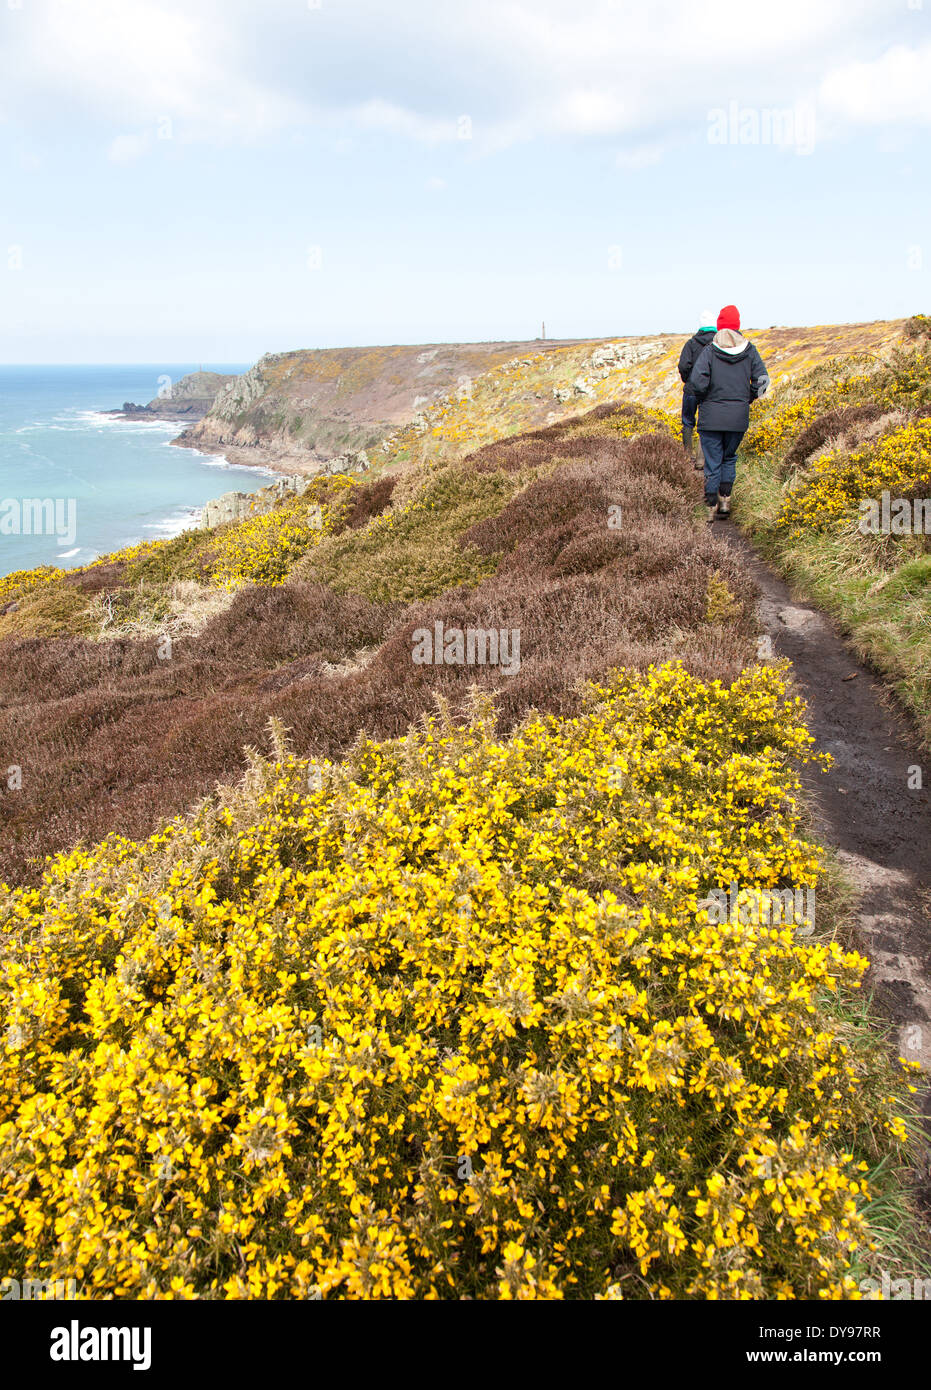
864	805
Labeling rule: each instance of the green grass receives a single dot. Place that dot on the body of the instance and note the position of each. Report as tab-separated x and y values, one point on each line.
182	557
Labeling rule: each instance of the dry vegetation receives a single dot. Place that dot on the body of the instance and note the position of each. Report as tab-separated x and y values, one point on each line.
111	735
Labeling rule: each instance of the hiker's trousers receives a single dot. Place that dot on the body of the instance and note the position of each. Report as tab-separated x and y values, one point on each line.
689	407
719	448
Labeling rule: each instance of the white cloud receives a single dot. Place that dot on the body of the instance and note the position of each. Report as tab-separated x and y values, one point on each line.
139	61
234	71
588	111
396	120
895	87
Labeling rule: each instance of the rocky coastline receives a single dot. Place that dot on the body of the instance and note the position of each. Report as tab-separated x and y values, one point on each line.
187	400
289	462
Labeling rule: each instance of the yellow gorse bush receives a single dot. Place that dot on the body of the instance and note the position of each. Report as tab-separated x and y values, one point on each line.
448	1020
628	426
721	603
21	582
263	549
782	423
831	488
838	381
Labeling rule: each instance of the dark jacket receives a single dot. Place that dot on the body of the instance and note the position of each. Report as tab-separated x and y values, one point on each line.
725	384
691	350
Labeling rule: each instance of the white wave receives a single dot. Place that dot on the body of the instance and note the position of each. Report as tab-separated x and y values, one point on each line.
221	461
171	526
127	425
93	421
69	554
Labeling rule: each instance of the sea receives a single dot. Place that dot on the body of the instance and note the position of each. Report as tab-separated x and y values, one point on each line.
103	483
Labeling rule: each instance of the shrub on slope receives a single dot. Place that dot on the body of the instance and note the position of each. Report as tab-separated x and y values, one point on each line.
451	1022
829	491
138	582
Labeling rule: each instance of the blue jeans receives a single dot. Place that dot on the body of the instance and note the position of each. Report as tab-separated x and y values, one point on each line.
720	451
689	407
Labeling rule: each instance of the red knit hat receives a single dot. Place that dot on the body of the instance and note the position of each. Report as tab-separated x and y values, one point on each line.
729	318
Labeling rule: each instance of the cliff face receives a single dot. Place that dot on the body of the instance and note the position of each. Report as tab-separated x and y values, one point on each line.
188	399
295	411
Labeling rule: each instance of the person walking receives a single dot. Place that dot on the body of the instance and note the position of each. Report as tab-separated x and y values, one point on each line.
728	374
687	359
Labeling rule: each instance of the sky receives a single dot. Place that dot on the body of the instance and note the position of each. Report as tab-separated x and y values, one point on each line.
209	180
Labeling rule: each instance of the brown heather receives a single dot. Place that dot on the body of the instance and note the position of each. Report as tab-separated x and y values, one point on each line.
109	737
828	426
369	500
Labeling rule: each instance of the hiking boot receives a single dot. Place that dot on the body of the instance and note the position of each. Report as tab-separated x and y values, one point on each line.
724	506
712	513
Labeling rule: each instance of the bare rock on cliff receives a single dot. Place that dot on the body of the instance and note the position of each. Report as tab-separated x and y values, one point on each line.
356	462
610	357
188	399
239	506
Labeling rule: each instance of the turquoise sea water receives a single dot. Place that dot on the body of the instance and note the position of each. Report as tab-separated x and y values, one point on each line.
117	481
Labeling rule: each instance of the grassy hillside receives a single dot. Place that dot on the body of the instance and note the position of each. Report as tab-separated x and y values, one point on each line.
428	999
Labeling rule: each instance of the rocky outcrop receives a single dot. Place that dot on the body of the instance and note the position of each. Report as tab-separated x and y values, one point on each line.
611	357
188	399
239	506
232	506
357	462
